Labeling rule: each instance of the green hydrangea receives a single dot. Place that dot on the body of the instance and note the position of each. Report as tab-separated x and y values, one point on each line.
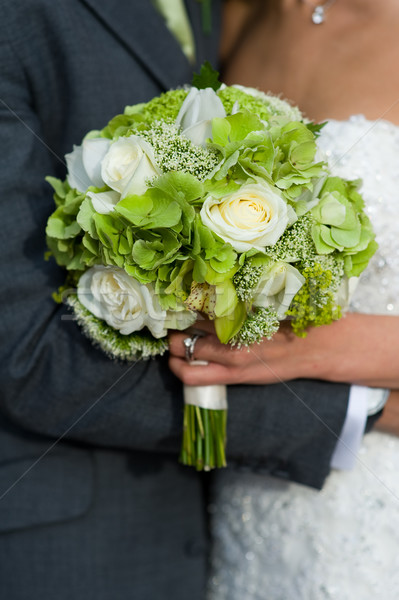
265	106
341	225
164	107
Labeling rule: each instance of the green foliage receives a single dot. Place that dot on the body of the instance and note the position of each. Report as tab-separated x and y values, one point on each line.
259	324
121	125
295	168
227	326
164	107
207	78
341	225
315	303
64	234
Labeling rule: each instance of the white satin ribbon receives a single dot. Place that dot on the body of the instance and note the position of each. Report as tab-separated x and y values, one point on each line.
213	397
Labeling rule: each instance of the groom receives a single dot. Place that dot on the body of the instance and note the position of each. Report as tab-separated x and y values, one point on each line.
93	504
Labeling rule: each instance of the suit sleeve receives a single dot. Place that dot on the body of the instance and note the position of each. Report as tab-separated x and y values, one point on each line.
53	381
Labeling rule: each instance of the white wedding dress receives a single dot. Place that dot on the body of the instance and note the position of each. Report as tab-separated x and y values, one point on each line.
275	540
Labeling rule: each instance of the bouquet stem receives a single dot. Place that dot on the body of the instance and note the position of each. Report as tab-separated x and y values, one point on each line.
204	427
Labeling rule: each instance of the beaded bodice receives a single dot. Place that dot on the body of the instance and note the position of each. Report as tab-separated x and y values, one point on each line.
369	150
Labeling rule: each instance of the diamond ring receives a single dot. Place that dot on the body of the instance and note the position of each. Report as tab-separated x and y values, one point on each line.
189	344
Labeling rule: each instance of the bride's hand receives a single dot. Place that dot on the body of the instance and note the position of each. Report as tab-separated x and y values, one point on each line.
360	349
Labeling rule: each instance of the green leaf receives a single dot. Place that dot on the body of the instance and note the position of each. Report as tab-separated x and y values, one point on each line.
220	131
321	246
302	154
154	209
226	298
125	247
135	208
120	125
245	125
345	238
152	254
315	128
228	326
107	231
200	270
207	77
61	188
140	274
57	228
180	183
85	217
92	245
223	259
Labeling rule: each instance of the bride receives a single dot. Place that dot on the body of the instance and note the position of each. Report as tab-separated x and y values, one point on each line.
273	539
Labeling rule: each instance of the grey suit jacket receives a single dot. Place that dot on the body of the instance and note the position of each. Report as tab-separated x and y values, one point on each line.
92	501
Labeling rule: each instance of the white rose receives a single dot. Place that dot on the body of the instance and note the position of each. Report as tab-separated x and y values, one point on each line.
128	165
277	287
346	291
84	164
121	301
196	114
254	216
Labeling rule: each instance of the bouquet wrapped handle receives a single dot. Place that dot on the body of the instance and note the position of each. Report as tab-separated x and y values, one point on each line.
204	426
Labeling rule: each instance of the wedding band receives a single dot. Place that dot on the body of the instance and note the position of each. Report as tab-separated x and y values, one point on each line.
189	344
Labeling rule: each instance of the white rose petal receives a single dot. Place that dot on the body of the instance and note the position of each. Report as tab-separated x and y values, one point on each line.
121	301
278	286
196	114
255	216
128	165
94	150
104	202
77	177
345	291
84	164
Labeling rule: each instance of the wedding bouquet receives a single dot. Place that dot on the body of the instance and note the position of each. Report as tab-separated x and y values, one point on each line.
210	202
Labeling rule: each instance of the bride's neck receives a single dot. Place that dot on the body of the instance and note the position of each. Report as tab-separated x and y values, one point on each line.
344	66
357	8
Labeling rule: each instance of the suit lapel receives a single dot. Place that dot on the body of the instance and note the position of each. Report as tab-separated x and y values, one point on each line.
140	28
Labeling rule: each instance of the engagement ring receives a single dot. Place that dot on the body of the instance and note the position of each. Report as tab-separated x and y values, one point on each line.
189	344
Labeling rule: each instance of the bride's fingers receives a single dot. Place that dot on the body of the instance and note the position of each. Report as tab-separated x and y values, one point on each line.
206	348
209	374
204	325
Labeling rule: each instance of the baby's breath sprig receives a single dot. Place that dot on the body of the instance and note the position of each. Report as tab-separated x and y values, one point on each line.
246	279
296	244
136	346
175	152
261	323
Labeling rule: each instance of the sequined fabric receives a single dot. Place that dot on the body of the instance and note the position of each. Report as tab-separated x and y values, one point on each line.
275	540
